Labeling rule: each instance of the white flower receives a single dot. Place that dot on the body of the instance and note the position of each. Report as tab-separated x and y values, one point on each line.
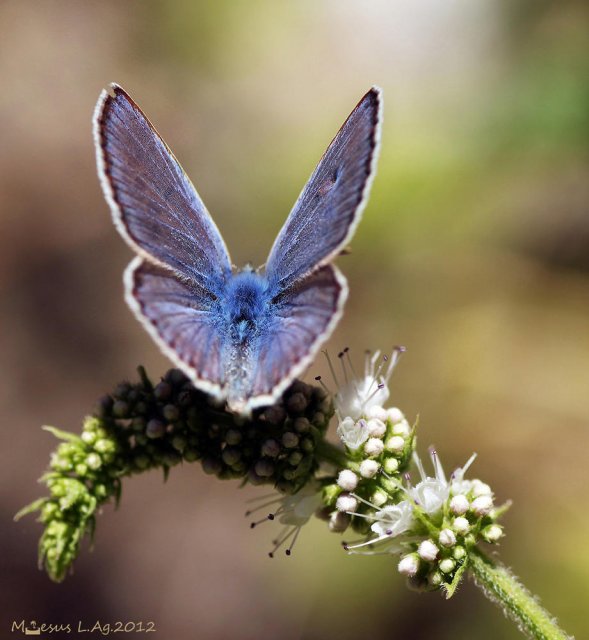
377	412
373	447
447	538
457	482
369	468
393	520
492	533
346	502
402	428
297	509
427	550
395	444
353	434
482	505
459	505
347	480
388	524
395	415
481	489
339	521
431	493
376	428
364	396
461	525
409	565
293	511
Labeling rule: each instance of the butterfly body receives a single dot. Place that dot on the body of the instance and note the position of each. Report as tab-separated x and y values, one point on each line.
240	336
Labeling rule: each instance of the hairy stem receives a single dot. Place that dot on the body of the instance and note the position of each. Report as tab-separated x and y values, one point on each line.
503	588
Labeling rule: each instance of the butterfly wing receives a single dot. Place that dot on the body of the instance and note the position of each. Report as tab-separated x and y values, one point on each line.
329	207
154	205
300	320
175	284
182	318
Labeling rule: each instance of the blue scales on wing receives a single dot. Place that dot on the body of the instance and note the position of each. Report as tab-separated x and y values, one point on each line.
328	209
154	204
183	266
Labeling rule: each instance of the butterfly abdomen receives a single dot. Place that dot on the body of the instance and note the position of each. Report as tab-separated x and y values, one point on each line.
247	311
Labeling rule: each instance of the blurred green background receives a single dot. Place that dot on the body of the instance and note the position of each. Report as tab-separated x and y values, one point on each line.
473	252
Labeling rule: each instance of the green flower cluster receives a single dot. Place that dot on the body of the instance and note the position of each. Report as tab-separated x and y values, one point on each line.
141	426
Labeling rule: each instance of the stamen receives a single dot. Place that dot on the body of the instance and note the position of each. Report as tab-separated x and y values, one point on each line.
340	355
360	499
395	357
369	398
320	381
261	506
270	516
419	465
282	540
469	462
284	529
331	368
439	470
366	516
349	360
408	481
292	544
367	363
380	367
368	543
263	497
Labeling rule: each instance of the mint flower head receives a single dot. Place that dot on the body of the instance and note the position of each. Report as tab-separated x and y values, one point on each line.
433	524
373	482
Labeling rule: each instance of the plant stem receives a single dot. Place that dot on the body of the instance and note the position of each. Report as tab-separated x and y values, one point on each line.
503	588
331	453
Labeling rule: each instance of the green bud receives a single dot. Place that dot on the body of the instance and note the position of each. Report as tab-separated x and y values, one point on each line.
120	409
155	429
231	455
233	436
171	413
264	468
179	443
290	440
93	461
459	552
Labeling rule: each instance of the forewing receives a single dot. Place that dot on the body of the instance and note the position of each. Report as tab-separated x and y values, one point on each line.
153	203
326	213
180	317
303	318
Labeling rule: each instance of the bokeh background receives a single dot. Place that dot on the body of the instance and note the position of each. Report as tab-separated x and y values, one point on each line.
473	252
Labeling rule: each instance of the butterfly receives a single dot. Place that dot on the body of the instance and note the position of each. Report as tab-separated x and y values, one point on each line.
241	336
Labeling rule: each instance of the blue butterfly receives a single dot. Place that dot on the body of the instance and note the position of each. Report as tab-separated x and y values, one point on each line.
240	336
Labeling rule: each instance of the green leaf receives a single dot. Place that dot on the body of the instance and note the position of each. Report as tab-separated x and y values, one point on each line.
456	580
